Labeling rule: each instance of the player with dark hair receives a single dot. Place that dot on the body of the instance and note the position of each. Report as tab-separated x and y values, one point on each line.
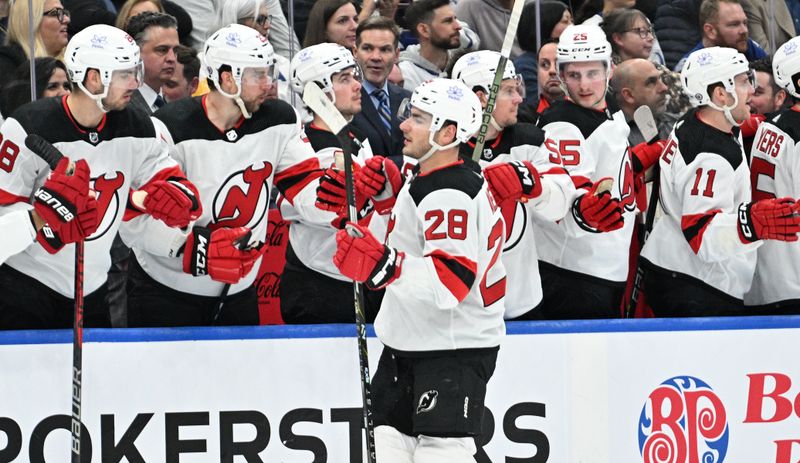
115	150
441	319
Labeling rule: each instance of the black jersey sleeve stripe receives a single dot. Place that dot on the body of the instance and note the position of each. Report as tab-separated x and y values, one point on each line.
292	180
694	226
457	273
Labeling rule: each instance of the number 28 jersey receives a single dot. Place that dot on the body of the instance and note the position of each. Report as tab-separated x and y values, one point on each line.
450	293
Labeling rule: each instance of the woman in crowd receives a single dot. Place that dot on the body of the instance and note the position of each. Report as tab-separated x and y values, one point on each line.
51	80
332	21
630	34
131	8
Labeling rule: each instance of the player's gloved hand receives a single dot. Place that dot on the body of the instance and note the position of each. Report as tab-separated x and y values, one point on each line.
362	258
769	219
513	180
49	239
219	253
173	202
598	212
750	126
646	154
380	180
66	204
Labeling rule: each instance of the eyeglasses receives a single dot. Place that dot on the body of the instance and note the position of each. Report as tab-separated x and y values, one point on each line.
262	20
642	31
58	13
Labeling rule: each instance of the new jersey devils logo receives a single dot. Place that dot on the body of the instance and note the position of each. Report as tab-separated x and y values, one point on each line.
106	188
242	200
516	218
627	195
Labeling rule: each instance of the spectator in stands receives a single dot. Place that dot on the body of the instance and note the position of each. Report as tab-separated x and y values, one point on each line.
332	21
51	80
376	52
677	28
50	22
725	25
157	37
185	79
770	22
596	12
489	19
434	23
630	34
265	16
769	96
132	8
637	82
555	17
549	86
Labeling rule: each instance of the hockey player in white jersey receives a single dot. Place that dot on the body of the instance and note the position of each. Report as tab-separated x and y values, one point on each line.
775	172
236	144
115	150
312	288
441	320
586	255
517	170
701	254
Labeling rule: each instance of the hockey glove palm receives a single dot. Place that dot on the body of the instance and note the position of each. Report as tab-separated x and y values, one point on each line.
362	258
380	180
513	181
173	202
66	204
218	254
769	219
598	212
332	193
644	155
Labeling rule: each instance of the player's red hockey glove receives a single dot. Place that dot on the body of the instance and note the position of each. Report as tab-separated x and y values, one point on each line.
218	254
66	204
172	201
380	179
750	126
597	212
331	192
49	239
362	258
513	180
769	219
646	154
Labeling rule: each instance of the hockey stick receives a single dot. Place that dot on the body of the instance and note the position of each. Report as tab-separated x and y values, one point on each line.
241	243
52	156
505	52
323	107
643	117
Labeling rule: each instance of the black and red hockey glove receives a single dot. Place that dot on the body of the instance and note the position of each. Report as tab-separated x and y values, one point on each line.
513	181
380	179
66	204
750	126
769	219
646	154
362	258
597	211
173	201
49	239
219	254
331	192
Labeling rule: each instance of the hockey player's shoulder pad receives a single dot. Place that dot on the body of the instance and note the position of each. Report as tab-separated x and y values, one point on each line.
130	122
460	177
586	120
526	134
30	118
186	120
789	122
695	137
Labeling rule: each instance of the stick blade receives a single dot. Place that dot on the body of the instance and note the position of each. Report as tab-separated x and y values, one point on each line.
318	101
643	117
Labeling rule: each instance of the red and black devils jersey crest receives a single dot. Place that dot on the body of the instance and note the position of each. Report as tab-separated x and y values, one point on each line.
243	198
106	189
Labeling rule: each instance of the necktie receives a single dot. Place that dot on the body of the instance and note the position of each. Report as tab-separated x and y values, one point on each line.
159	101
383	108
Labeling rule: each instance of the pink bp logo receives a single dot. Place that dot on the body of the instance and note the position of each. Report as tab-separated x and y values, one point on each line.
683	421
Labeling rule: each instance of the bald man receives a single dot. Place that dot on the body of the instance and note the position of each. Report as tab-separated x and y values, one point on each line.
636	82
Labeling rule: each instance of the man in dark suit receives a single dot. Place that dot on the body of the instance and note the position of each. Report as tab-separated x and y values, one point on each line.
157	37
376	52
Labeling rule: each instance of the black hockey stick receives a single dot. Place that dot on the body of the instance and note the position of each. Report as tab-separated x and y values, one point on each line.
505	52
52	157
643	117
323	107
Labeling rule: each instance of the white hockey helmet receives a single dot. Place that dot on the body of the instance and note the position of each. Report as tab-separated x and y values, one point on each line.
581	43
714	65
477	69
106	49
239	47
448	100
318	63
786	66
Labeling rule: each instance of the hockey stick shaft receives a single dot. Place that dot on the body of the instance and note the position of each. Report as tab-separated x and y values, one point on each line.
316	99
505	52
52	157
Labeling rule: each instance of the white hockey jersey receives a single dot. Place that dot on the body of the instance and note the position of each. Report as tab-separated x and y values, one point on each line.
590	145
704	177
315	244
451	290
775	173
123	153
233	171
520	258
